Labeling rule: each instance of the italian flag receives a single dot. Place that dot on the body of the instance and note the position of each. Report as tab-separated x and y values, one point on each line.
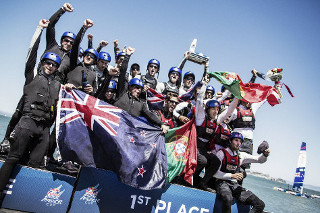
181	147
249	92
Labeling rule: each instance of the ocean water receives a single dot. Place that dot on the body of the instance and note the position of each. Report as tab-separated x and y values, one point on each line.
275	201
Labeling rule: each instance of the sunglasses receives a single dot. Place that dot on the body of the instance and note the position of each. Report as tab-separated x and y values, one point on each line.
136	87
175	73
67	41
90	55
189	78
153	66
121	59
52	63
174	102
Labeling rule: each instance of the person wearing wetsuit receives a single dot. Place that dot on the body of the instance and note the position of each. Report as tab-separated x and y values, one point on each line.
101	68
188	81
149	79
51	46
75	76
109	95
228	175
41	93
172	86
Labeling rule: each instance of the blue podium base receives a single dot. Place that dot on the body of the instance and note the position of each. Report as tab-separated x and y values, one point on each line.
100	191
34	190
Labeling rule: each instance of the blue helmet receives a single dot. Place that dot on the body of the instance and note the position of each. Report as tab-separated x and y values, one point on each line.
236	135
154	61
68	34
104	56
91	50
174	69
210	88
212	103
81	50
52	56
136	81
189	73
112	85
121	54
222	88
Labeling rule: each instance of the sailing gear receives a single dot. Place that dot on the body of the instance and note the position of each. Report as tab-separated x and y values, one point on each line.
210	88
104	56
154	61
174	69
212	103
150	81
92	51
120	54
236	135
81	51
68	34
207	130
136	81
189	73
52	56
167	120
262	147
112	85
230	164
170	88
245	119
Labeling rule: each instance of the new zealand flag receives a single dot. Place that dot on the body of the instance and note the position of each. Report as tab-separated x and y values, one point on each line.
96	134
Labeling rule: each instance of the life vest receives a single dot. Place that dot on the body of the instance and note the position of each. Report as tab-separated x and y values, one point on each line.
207	130
229	164
245	118
166	121
40	98
221	137
169	88
149	81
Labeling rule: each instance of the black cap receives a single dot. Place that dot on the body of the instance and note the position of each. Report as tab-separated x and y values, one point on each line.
135	66
262	147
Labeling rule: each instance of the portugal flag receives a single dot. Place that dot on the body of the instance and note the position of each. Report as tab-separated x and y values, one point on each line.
181	147
249	92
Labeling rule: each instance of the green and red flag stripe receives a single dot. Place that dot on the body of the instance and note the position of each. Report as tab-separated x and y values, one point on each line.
249	92
181	148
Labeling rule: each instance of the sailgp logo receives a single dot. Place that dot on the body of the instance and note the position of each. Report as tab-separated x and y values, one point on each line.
52	197
90	197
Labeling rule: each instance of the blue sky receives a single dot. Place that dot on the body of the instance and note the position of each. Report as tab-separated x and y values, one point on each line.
237	36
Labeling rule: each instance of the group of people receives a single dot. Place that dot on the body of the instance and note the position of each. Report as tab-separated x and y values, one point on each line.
225	124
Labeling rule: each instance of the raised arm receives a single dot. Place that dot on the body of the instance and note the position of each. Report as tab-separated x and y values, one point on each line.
33	50
50	35
75	48
102	44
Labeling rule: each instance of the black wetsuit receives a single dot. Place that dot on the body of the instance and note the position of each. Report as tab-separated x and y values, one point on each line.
38	114
75	75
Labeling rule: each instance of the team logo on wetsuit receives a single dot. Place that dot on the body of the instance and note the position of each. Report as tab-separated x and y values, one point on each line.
178	147
90	196
52	197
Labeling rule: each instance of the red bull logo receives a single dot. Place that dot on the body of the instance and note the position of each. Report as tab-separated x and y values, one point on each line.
52	196
90	196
